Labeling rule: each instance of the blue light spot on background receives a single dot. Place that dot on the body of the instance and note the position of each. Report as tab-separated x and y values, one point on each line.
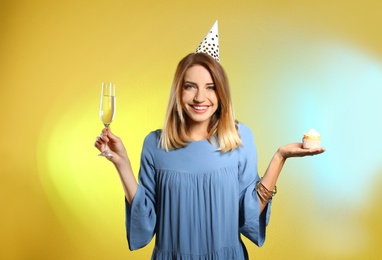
349	120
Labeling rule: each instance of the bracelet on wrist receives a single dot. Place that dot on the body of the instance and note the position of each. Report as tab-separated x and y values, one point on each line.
264	194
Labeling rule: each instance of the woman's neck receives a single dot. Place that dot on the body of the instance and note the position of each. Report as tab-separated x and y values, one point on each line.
197	132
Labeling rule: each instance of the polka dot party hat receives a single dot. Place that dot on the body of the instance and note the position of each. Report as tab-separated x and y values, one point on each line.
210	43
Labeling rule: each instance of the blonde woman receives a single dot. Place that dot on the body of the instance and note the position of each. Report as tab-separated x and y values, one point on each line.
199	188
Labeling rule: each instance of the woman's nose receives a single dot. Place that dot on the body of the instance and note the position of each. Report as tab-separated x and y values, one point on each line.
199	97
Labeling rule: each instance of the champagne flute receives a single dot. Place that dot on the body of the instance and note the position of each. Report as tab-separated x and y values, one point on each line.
107	108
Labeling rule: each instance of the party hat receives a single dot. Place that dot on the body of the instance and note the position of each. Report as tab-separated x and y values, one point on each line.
210	43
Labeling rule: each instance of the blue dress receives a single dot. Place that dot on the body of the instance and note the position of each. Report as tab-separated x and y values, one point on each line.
197	201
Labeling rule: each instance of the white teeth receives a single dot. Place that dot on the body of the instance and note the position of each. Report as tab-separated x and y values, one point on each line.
199	108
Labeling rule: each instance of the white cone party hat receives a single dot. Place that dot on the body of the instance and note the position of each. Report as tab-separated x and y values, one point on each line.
210	43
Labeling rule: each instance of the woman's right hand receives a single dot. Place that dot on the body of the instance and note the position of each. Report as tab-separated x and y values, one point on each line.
114	144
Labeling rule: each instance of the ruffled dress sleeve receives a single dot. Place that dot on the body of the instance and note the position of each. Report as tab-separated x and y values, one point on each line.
252	223
140	215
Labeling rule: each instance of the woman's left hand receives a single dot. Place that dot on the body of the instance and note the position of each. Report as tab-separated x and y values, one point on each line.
296	150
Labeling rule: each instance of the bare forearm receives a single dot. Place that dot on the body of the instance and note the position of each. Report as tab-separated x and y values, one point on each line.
272	173
129	183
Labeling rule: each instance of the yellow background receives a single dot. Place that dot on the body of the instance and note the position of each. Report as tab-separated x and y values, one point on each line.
293	65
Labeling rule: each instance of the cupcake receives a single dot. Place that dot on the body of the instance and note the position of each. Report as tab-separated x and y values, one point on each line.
311	139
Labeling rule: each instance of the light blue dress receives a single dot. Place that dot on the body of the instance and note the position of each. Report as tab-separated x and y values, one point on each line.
197	200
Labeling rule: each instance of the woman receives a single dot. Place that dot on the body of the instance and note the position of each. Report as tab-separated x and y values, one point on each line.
198	183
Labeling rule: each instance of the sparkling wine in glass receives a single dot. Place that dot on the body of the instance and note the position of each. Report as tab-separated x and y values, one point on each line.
107	108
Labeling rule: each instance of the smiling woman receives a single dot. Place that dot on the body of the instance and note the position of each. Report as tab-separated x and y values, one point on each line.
213	168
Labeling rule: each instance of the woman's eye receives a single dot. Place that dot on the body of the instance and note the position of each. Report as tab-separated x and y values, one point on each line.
211	88
188	86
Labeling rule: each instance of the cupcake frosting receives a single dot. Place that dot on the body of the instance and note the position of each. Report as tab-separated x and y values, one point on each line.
312	134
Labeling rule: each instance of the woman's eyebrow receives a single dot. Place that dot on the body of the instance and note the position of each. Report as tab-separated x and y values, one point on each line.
189	82
193	83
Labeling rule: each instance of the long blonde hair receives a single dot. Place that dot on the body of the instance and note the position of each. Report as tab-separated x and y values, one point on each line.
222	127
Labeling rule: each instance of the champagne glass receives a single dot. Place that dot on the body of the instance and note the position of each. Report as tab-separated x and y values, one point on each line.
107	108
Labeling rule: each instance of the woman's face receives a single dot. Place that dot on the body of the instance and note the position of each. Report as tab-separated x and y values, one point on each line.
199	99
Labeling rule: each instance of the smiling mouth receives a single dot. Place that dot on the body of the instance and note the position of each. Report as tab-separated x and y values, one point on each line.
199	109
